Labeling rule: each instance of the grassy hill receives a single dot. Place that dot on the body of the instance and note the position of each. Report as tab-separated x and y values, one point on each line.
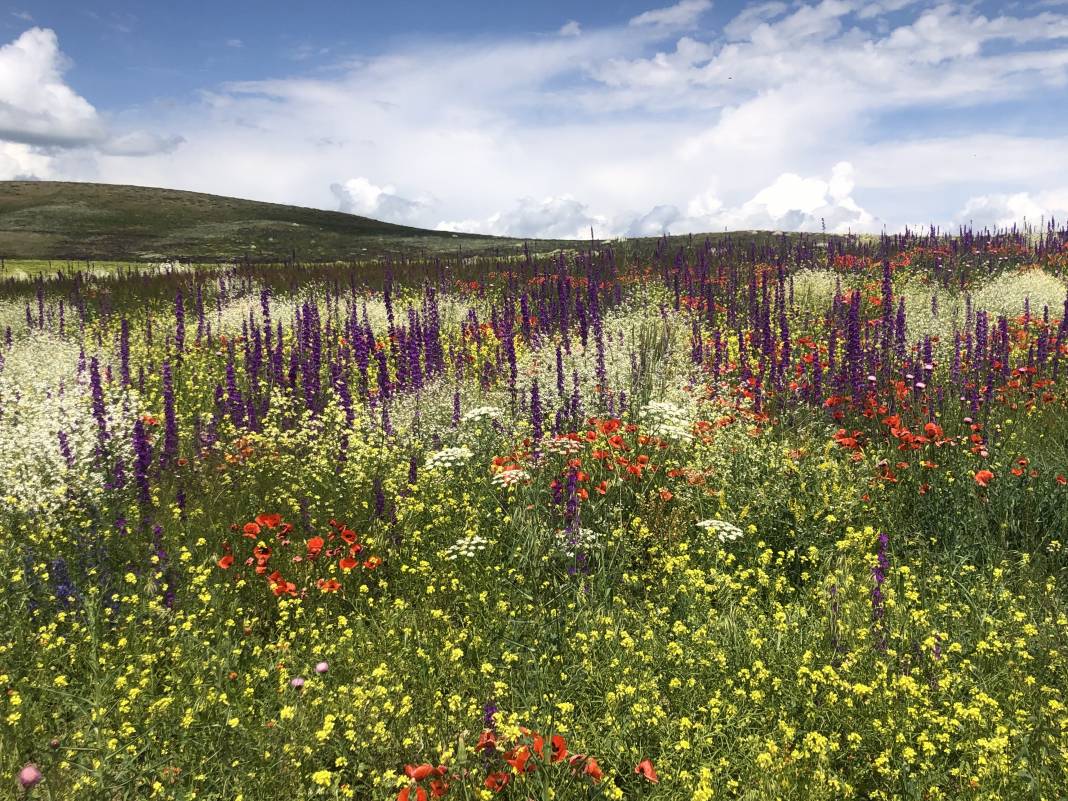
78	221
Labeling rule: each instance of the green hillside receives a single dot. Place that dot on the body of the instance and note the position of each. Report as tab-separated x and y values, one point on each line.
77	221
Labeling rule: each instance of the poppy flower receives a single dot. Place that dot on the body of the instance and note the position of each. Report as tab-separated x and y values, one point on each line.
666	494
419	772
348	536
646	770
486	740
372	563
347	563
497	781
225	562
593	770
252	529
269	521
559	748
983	477
406	793
329	585
315	544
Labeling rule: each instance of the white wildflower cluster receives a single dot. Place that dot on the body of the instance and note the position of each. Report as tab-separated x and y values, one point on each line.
45	407
466	547
725	532
563	446
449	458
581	540
667	421
511	477
481	414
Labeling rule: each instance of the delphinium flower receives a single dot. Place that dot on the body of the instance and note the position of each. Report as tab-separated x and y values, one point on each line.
536	420
169	451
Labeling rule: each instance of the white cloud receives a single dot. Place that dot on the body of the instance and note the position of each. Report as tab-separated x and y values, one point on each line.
360	196
790	203
683	14
570	28
235	43
140	143
36	106
657	122
21	162
561	217
1006	210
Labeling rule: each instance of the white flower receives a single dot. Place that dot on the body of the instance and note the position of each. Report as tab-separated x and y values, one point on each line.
667	421
511	477
481	414
725	532
449	458
573	542
466	547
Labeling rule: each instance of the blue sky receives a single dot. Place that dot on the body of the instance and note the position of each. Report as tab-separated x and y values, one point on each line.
546	119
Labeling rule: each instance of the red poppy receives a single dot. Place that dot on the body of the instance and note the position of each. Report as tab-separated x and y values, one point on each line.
347	563
1062	480
270	521
666	494
419	772
646	770
406	793
983	477
593	770
497	781
372	563
225	562
486	740
329	585
252	529
348	536
559	748
315	544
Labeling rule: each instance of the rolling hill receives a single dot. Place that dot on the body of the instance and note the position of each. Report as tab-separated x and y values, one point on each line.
78	221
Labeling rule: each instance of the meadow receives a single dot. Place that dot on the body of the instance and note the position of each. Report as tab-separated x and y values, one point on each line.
731	519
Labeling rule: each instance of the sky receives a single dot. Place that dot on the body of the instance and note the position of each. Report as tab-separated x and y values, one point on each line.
551	119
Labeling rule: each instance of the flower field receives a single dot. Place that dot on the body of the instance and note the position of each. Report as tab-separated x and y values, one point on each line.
744	520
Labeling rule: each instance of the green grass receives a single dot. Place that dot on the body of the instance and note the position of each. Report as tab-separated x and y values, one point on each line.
50	225
49	220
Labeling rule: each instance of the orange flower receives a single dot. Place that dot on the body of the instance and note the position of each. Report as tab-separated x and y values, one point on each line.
372	563
348	536
315	544
646	770
497	781
593	770
329	585
270	521
406	793
225	562
666	494
559	748
983	477
419	772
486	740
347	563
251	529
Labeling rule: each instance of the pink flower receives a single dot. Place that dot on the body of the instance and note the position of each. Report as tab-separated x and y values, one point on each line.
296	683
322	667
30	776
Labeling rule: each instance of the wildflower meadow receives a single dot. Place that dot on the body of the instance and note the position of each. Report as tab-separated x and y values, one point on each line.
742	518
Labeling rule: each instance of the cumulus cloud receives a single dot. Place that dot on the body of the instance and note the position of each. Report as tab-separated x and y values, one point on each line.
1019	208
360	196
570	28
790	203
36	105
41	117
561	217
